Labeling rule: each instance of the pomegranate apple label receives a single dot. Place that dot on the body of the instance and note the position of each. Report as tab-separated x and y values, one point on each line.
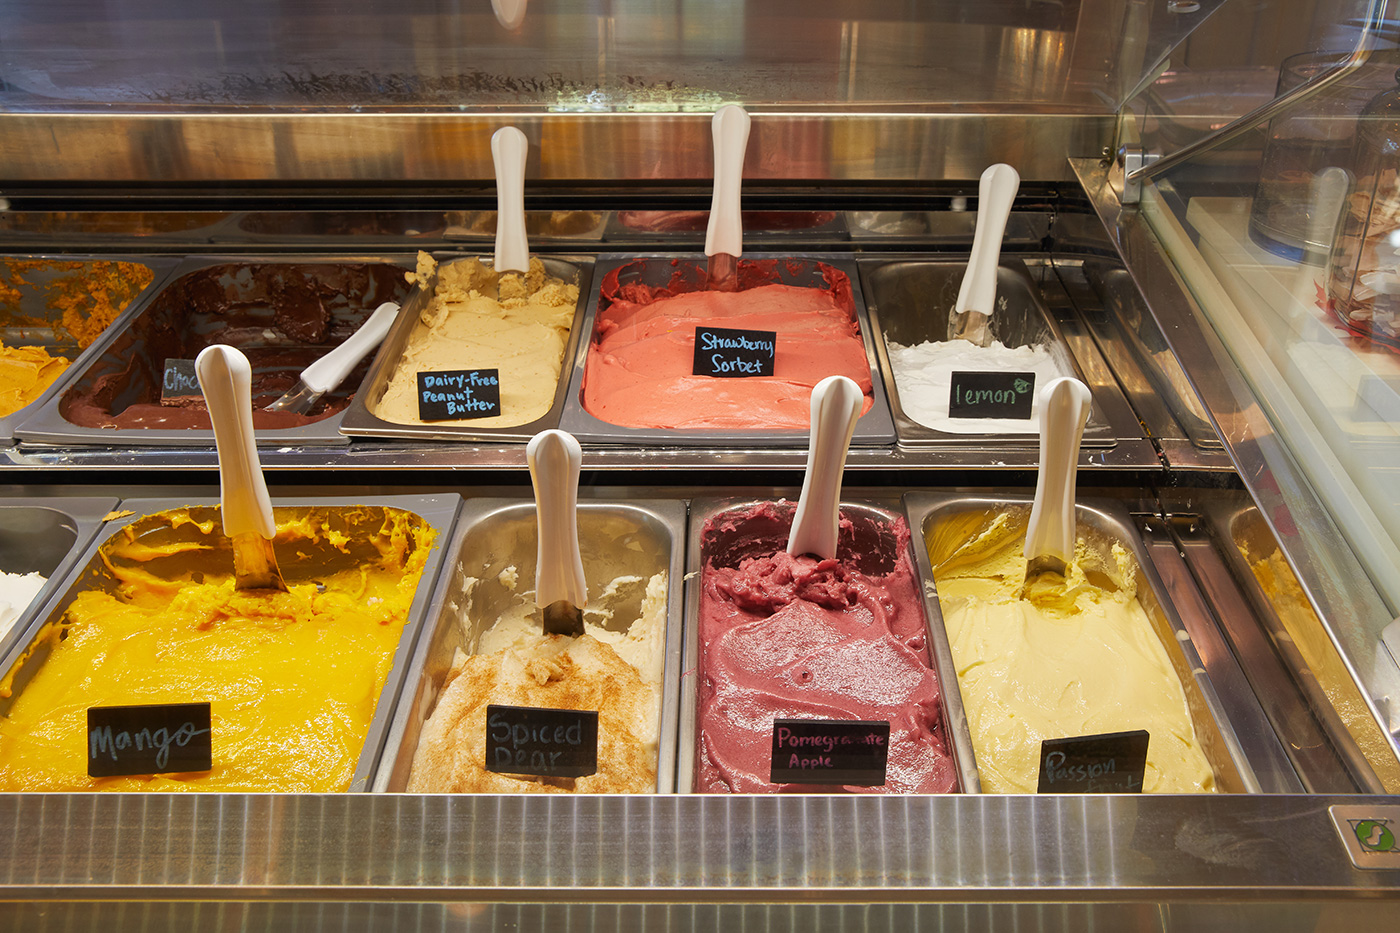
830	751
546	742
991	395
1110	763
720	351
179	381
155	739
459	394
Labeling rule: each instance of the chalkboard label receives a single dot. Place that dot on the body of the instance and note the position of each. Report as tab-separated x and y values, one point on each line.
727	353
157	739
1112	763
547	742
991	395
179	381
459	394
829	751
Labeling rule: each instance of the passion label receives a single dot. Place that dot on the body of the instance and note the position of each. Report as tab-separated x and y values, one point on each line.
727	353
179	381
829	751
1111	763
991	395
156	739
547	742
459	394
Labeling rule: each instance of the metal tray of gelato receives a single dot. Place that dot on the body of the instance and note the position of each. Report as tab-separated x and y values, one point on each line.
53	310
284	314
542	228
689	226
461	327
851	639
44	537
635	381
485	594
973	543
301	684
909	301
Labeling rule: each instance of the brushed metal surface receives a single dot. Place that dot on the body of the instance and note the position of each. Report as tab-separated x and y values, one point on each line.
333	150
637	537
720	849
90	571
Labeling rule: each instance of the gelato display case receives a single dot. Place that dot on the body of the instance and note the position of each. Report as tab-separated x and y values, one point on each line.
1238	495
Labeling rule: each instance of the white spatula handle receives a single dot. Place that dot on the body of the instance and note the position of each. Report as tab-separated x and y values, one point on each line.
995	194
730	132
555	458
508	151
330	370
836	403
1064	408
226	377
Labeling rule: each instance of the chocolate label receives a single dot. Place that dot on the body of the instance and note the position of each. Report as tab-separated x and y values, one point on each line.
156	739
1111	763
459	394
180	381
829	751
991	395
727	353
547	742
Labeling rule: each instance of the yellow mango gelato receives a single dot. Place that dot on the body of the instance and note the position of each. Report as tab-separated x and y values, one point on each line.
25	372
1076	656
292	678
516	324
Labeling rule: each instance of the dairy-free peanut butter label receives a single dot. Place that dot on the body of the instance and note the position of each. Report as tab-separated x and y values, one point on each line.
545	742
830	751
179	381
1110	763
154	739
457	395
991	395
720	351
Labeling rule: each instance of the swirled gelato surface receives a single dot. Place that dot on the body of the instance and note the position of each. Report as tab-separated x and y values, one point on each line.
640	367
518	325
292	678
615	668
801	638
1076	656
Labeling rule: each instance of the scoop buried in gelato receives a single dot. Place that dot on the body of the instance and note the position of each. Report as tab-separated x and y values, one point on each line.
640	370
282	316
1077	656
615	668
292	678
784	637
517	325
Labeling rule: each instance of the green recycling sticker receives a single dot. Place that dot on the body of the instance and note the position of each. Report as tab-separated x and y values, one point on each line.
1369	834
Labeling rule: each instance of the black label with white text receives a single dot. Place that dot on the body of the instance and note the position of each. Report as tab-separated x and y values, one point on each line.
155	739
727	353
991	395
459	394
547	742
1111	763
830	751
